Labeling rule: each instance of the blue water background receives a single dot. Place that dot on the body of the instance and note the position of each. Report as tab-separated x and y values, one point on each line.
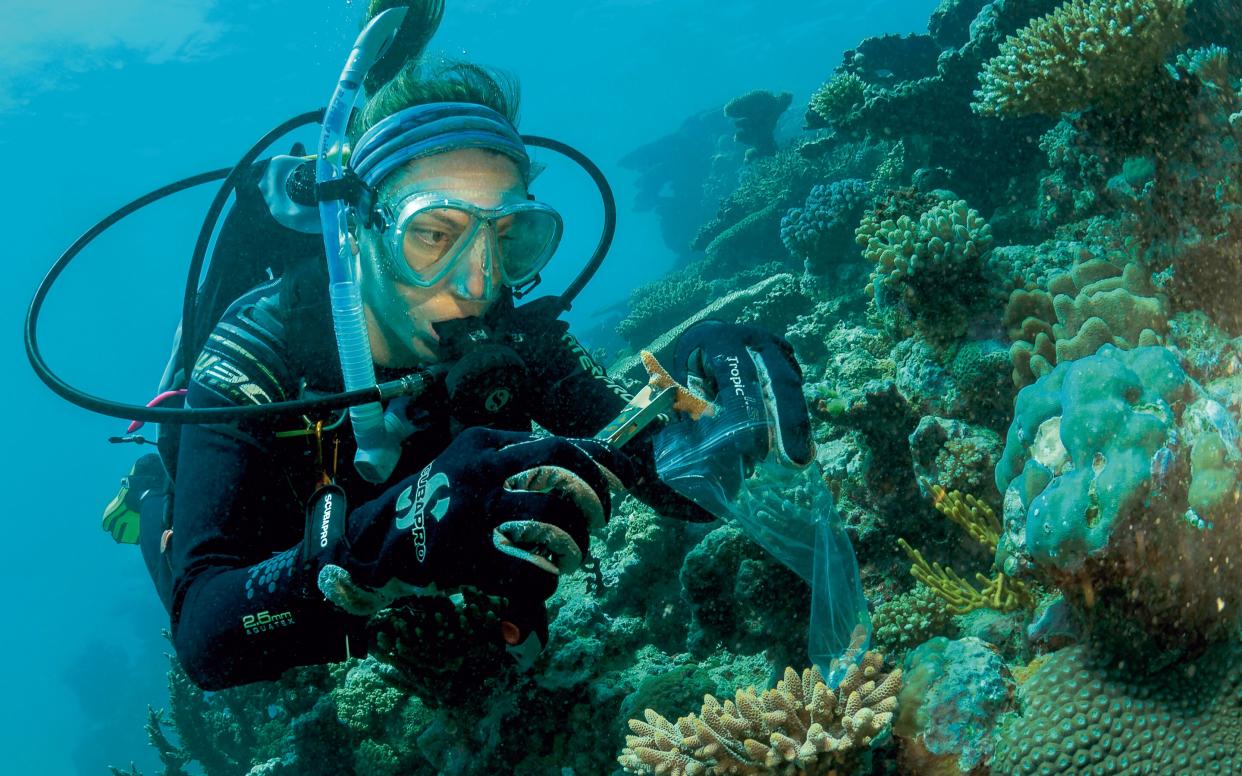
101	102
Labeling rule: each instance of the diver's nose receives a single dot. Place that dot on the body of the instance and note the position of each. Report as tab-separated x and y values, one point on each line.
475	279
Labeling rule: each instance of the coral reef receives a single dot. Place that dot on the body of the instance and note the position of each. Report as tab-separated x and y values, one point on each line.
802	726
1087	53
1085	712
1051	325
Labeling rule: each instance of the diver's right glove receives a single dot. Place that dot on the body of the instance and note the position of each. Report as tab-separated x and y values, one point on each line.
502	511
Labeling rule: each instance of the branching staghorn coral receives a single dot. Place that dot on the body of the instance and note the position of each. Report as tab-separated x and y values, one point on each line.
800	728
1085	54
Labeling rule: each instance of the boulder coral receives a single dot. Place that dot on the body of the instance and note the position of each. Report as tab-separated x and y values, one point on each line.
1121	484
1085	54
1084	713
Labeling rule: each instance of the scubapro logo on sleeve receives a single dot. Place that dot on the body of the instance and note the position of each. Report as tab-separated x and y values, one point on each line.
327	520
411	512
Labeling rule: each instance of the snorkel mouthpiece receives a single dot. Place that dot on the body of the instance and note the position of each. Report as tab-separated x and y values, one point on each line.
377	449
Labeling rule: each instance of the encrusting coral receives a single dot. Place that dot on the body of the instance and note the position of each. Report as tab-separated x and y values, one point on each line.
802	727
1086	53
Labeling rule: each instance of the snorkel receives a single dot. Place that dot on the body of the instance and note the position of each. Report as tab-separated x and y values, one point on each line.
377	450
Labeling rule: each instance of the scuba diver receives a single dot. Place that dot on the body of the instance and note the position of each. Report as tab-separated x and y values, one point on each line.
273	552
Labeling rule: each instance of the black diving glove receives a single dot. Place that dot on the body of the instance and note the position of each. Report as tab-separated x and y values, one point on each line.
751	373
501	511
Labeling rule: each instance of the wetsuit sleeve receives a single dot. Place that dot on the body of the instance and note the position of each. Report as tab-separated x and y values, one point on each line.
245	607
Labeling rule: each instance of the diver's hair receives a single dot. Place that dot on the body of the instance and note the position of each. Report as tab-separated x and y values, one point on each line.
419	83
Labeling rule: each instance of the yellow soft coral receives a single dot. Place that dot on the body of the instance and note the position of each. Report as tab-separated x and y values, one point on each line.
802	727
1086	53
977	518
961	597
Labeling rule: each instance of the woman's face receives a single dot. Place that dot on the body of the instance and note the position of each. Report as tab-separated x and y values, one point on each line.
400	316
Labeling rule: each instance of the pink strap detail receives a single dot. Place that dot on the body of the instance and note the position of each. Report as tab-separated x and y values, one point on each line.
137	424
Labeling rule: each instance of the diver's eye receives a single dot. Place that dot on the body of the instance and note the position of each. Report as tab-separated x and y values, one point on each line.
431	238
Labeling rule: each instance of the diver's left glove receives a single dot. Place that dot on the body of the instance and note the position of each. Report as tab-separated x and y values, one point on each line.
501	511
749	372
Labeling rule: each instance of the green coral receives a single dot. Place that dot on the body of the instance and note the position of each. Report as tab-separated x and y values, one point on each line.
1094	474
943	244
839	95
374	758
929	266
1214	479
1086	713
907	620
1086	53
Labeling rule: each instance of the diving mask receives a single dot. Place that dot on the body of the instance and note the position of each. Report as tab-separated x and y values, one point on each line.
432	232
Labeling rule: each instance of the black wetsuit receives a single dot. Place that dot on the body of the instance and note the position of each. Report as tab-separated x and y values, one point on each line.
243	608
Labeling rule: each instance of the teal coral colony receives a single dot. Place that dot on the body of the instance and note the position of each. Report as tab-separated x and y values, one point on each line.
1045	332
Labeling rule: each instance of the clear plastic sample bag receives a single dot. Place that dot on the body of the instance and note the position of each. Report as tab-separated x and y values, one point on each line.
788	511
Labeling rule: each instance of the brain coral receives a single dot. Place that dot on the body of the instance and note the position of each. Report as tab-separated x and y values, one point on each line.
1102	467
1085	714
1097	301
1086	53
